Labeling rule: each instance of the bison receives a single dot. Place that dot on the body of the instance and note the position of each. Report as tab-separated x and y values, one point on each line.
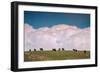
34	49
54	49
41	49
84	51
63	49
29	50
75	50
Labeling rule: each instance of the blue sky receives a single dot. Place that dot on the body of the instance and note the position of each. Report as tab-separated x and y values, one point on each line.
49	19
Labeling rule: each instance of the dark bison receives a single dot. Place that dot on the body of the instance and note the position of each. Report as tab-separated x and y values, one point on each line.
34	49
29	50
41	49
84	51
75	50
63	49
54	49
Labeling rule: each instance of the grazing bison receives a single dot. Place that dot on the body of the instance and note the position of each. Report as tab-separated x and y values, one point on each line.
84	51
75	50
41	49
54	49
63	49
29	50
34	49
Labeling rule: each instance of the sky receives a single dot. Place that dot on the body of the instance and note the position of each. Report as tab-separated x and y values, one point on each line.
56	30
49	19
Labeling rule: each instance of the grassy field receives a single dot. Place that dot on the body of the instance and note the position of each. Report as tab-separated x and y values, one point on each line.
54	55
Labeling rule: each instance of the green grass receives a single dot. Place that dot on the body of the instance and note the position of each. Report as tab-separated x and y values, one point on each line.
55	55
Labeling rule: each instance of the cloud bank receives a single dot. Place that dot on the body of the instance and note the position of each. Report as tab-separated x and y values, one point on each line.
57	36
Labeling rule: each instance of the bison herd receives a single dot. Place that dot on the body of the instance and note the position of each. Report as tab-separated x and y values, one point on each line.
75	50
60	49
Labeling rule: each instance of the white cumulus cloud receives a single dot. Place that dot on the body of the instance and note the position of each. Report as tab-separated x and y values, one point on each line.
58	36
